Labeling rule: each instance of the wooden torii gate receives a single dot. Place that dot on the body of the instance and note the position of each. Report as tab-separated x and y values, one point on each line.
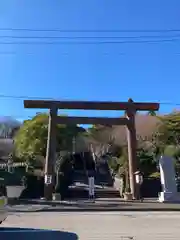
130	109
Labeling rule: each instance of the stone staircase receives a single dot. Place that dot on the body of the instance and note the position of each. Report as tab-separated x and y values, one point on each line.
103	185
102	175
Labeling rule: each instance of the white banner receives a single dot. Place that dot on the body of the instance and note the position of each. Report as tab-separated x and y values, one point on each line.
48	179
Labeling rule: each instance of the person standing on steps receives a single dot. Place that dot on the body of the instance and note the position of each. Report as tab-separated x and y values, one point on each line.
91	185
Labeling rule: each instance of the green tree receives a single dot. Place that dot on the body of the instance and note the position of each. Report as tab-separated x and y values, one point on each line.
124	167
168	131
174	152
31	139
147	160
120	165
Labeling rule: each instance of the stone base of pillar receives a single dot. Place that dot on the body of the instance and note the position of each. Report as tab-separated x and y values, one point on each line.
56	197
169	197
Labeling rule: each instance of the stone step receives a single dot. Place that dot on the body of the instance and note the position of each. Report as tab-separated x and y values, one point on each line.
99	193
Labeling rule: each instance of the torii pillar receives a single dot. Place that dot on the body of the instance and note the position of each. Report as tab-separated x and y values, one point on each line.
50	153
131	140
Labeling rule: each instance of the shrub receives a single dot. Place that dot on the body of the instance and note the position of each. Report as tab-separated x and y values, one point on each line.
155	175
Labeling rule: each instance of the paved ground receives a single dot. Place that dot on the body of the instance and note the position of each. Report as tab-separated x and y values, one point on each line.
96	226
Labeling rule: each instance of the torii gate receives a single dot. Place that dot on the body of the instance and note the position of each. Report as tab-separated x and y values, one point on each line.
130	109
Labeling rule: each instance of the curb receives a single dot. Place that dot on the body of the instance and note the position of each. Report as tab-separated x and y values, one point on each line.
89	209
107	210
56	207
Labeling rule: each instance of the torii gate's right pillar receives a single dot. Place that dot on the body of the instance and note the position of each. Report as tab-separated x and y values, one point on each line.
131	139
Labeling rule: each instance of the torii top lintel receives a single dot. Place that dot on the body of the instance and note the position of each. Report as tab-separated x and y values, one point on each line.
92	105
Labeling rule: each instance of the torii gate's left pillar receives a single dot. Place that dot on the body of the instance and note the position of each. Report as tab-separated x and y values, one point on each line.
50	154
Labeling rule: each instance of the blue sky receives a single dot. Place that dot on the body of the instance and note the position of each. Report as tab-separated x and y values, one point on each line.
111	72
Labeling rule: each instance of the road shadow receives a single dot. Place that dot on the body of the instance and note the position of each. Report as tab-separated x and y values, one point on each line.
35	234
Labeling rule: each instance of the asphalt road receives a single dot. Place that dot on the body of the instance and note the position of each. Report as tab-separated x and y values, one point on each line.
93	225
